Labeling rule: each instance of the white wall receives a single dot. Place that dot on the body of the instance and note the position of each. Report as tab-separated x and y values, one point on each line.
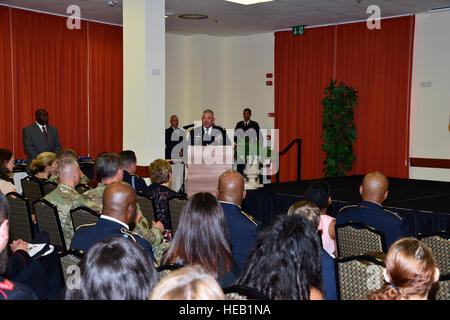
224	74
430	106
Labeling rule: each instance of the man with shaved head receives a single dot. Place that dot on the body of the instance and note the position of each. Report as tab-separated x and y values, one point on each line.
242	227
374	190
65	197
117	219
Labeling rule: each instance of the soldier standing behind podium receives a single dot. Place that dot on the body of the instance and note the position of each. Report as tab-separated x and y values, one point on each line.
40	137
208	133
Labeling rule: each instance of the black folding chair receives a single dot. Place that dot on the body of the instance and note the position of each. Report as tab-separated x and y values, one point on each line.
439	243
32	189
20	222
69	261
175	207
48	187
47	219
82	216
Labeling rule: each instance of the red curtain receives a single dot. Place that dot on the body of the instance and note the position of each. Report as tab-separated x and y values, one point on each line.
47	65
376	63
6	110
105	88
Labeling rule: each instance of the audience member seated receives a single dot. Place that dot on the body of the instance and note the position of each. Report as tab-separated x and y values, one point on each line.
319	193
242	227
202	238
117	219
10	290
114	269
410	272
159	191
129	169
109	169
188	283
312	213
65	197
374	190
6	168
284	263
67	153
43	166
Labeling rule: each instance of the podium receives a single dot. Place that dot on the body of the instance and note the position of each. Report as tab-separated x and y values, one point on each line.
205	164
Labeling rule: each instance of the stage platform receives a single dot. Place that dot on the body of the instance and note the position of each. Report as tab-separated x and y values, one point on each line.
424	204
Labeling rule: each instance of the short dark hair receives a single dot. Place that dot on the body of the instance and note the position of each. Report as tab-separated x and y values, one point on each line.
202	235
107	164
39	111
128	157
248	109
319	192
67	153
5	156
285	261
115	269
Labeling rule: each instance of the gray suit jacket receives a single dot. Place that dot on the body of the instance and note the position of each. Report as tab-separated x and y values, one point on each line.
34	142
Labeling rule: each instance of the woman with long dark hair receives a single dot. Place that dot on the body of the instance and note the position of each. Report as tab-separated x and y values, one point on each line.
6	168
410	272
285	262
202	238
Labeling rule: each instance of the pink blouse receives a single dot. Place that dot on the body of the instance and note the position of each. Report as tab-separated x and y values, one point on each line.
327	242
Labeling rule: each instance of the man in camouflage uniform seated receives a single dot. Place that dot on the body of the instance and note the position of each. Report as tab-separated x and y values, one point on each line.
68	154
65	197
109	169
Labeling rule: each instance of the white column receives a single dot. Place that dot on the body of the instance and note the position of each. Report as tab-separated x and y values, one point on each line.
144	78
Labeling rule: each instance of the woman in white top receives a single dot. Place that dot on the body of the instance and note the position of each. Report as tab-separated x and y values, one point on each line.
6	168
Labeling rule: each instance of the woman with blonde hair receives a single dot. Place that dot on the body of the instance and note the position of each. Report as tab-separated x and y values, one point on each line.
410	272
188	283
43	166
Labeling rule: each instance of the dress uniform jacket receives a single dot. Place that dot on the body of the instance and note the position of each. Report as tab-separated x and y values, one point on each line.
218	136
243	230
170	144
137	183
88	235
374	215
251	125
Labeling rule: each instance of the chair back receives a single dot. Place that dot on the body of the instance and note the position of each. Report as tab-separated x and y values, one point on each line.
175	207
32	190
48	187
146	205
439	243
83	215
237	292
354	238
82	188
358	276
20	222
443	291
69	261
47	219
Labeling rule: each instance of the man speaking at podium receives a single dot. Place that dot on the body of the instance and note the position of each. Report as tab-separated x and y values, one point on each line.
208	133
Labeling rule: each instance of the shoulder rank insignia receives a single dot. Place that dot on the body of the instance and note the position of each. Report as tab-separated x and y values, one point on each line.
249	217
85	225
127	234
392	212
349	206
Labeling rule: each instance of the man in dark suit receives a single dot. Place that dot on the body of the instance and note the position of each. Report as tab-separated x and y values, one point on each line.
129	169
242	227
208	133
40	137
252	135
174	135
117	219
374	190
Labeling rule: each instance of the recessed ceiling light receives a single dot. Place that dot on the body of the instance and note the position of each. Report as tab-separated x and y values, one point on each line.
247	2
193	16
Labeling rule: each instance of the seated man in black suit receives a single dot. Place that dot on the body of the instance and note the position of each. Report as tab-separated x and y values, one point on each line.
117	219
242	227
40	137
208	133
129	169
174	136
374	190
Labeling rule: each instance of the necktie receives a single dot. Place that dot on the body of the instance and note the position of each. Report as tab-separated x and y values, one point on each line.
44	132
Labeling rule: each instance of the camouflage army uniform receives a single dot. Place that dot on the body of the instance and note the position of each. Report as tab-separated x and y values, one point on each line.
142	228
66	198
54	178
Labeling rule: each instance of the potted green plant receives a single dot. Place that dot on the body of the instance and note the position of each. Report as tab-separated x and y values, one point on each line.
339	130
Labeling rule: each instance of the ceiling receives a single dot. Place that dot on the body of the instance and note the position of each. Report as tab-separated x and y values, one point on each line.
230	19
